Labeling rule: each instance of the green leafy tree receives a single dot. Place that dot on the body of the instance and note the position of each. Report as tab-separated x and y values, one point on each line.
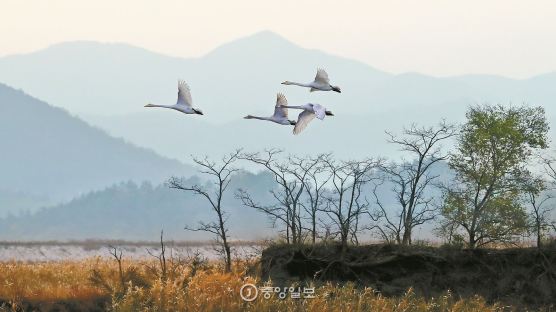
490	163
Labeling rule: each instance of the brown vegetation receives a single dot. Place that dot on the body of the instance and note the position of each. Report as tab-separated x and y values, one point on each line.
191	285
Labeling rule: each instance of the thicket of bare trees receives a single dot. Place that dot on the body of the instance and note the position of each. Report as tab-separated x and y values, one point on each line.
411	182
482	189
540	199
290	175
313	192
345	203
315	181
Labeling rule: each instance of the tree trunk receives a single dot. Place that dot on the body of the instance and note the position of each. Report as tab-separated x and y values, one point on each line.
288	226
294	234
344	236
314	231
406	240
228	257
472	241
344	246
294	229
539	235
227	250
225	244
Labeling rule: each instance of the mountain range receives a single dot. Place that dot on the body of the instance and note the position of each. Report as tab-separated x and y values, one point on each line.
138	211
48	155
73	127
108	84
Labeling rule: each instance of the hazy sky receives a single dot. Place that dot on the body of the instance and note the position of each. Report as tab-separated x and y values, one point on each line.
438	37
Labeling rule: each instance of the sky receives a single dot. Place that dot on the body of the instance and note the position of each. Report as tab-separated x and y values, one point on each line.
436	37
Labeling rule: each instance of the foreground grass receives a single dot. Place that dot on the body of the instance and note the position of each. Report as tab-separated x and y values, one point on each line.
189	285
49	281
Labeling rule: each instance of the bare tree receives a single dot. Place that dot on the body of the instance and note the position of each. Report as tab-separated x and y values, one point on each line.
412	180
287	194
313	174
117	253
387	228
161	257
550	166
538	200
539	195
221	173
345	202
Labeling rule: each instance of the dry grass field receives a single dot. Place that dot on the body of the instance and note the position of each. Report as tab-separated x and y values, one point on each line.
192	284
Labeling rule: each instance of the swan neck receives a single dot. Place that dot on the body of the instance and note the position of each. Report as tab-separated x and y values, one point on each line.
157	105
298	84
259	118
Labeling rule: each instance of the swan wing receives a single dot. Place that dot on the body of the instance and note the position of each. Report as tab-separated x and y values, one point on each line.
320	111
281	100
184	94
322	77
279	110
303	120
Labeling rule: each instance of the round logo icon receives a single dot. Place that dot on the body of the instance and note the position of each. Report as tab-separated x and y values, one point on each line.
248	292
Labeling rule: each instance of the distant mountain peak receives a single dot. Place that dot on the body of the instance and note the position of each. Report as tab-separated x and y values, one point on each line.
266	35
265	39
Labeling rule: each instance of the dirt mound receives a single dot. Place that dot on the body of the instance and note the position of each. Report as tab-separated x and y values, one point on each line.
520	277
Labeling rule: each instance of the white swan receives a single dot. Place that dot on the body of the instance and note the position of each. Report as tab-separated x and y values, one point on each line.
321	83
310	111
184	103
280	115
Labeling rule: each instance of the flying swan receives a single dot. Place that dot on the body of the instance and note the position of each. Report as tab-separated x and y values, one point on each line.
280	112
310	111
184	103
321	83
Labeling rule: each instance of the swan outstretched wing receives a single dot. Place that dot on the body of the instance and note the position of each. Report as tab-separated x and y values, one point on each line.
322	77
279	110
320	111
184	94
281	100
303	120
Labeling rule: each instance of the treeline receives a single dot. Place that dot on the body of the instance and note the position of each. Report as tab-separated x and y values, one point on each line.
132	211
496	190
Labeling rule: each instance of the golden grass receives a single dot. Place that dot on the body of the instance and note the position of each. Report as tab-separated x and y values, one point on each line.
49	281
194	286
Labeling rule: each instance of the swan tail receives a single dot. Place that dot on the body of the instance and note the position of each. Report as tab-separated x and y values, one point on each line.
198	111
